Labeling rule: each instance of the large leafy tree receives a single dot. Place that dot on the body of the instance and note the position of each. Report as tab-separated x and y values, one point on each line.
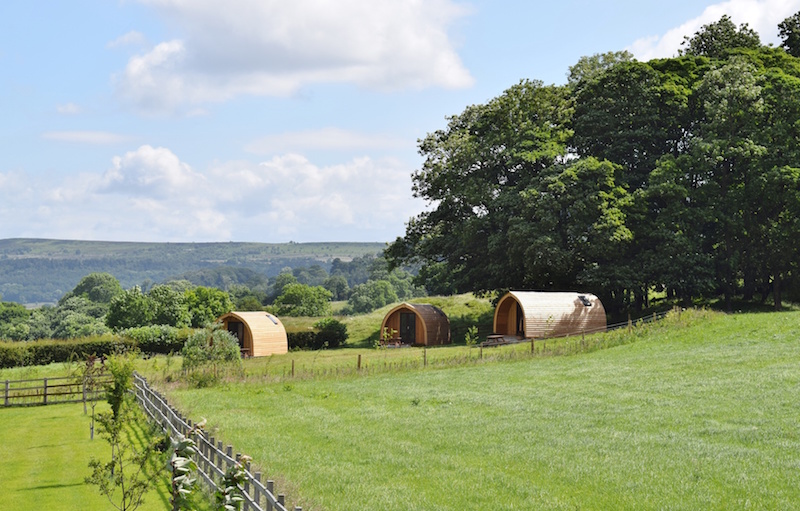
474	171
677	174
303	300
789	31
716	39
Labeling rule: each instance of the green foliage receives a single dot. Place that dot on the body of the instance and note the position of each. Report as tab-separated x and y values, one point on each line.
369	296
331	333
169	307
302	340
14	321
789	31
206	305
229	496
471	337
157	338
130	309
46	352
210	347
40	271
337	285
303	300
673	175
95	287
715	40
124	479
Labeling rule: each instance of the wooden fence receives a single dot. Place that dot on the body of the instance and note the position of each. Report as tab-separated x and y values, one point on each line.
48	391
212	460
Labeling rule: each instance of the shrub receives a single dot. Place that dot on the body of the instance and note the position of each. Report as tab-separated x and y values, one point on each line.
157	339
331	333
210	346
50	351
301	340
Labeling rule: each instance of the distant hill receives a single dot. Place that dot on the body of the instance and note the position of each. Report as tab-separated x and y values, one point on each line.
42	270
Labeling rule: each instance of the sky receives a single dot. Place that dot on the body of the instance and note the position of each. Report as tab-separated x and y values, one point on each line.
273	121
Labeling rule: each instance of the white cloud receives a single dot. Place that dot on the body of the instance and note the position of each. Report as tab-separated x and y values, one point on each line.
86	137
326	138
762	16
132	38
68	109
272	48
152	171
149	194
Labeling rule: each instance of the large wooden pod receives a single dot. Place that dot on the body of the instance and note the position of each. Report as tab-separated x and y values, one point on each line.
420	324
259	333
536	314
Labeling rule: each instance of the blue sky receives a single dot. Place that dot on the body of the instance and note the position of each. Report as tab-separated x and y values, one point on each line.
271	121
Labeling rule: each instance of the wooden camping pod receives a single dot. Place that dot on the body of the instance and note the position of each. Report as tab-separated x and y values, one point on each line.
538	314
420	324
259	333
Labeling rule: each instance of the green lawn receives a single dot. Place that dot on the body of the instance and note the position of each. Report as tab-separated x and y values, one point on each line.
45	452
701	412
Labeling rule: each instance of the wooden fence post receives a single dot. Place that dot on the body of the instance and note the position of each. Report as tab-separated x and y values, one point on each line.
359	362
5	400
292	368
45	392
271	490
257	493
425	356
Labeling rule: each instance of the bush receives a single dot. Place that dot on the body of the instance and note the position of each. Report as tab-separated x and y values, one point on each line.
210	346
50	351
158	338
301	340
331	333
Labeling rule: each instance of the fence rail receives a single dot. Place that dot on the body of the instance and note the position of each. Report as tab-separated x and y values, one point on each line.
49	391
212	459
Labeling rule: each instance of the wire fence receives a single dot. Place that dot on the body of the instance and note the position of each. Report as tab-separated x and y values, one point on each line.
212	459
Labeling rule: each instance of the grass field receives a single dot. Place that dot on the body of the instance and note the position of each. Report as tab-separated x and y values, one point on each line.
45	452
701	412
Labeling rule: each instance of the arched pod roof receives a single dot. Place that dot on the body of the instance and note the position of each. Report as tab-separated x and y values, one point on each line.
537	314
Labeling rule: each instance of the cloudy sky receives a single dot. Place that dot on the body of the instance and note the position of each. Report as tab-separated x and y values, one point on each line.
271	121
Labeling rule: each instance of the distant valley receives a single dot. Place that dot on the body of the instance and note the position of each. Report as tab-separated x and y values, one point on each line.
42	270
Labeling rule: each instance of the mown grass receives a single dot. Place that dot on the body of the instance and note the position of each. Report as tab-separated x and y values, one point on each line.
45	452
697	412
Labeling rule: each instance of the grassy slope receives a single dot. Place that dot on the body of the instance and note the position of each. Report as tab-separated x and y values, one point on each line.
693	416
46	451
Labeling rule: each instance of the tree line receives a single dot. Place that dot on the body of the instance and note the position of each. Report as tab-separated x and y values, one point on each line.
676	175
98	304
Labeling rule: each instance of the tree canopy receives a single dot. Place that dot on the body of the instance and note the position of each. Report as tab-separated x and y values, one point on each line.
675	174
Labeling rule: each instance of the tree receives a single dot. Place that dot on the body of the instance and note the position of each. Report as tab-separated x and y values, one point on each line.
338	287
303	300
715	40
588	69
206	305
129	309
124	479
789	31
473	173
169	307
369	296
212	348
96	287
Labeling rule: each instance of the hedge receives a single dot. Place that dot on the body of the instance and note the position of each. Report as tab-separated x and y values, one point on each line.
15	354
158	338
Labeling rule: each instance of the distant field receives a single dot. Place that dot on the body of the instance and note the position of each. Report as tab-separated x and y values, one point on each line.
45	452
697	412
